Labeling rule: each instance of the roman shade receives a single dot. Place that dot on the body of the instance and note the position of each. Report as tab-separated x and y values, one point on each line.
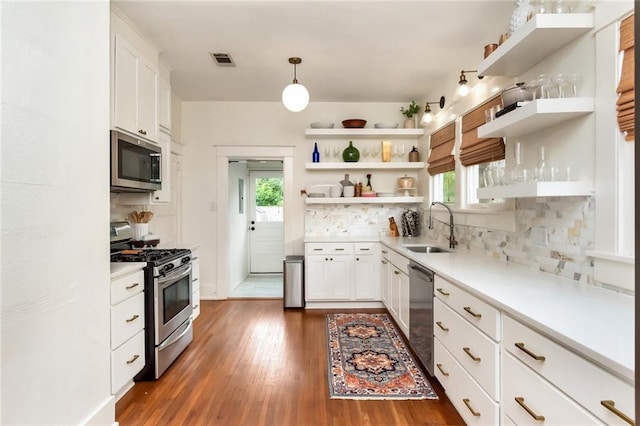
475	150
441	144
625	105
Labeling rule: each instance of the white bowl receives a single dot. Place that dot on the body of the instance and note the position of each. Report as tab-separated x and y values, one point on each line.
321	125
385	125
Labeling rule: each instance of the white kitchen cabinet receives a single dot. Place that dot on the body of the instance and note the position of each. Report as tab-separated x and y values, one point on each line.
467	337
399	291
164	104
195	282
135	97
127	329
385	279
366	273
328	276
536	358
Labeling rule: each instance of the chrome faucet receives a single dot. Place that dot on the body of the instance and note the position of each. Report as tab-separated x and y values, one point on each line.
452	240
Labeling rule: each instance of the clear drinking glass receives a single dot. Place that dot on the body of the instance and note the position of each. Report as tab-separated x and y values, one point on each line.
542	170
574	79
559	81
517	173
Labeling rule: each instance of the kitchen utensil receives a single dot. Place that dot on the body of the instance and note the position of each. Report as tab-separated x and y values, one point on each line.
385	125
321	125
406	182
354	123
489	49
517	93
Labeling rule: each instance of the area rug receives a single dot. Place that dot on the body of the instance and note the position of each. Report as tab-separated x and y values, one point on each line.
369	360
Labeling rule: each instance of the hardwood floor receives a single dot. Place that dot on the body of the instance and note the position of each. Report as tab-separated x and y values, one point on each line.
253	363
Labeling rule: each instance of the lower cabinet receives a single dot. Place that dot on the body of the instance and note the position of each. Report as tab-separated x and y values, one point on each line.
342	272
195	283
397	288
127	330
385	270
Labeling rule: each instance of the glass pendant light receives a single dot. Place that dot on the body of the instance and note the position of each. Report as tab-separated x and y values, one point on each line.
295	96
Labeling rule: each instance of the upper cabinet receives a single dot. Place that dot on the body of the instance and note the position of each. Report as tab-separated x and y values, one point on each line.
135	96
539	37
164	104
364	133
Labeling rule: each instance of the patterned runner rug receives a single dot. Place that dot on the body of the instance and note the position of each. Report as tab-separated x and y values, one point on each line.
368	360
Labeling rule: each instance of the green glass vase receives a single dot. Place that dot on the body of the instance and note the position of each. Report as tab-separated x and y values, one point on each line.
350	154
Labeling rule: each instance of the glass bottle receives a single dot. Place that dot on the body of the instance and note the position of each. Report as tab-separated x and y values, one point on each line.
368	187
542	170
316	153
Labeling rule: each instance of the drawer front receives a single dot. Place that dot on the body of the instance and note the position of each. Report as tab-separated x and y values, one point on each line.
196	303
328	248
477	312
473	404
195	273
127	361
561	367
127	318
126	286
527	398
478	354
366	248
385	252
399	261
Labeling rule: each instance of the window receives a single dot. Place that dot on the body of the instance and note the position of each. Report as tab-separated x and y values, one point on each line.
444	187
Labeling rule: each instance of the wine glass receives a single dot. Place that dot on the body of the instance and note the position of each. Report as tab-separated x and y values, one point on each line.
574	79
375	151
559	81
544	82
327	151
336	151
365	152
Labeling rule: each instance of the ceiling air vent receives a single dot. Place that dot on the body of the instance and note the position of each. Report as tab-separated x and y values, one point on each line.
223	59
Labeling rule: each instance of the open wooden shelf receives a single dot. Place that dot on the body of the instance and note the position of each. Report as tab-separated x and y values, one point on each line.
364	133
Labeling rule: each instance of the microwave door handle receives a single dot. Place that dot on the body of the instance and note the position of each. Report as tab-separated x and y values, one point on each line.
157	156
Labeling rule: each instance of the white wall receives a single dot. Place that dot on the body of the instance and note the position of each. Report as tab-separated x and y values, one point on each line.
209	124
238	244
55	363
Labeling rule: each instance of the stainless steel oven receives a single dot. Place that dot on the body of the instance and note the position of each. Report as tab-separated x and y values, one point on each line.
172	301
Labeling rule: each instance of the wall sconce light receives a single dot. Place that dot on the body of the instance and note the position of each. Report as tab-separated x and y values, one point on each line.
295	96
463	89
427	117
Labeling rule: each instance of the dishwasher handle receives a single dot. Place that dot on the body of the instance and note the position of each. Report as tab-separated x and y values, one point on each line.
422	271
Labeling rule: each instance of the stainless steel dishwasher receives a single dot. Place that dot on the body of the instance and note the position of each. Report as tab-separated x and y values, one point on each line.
421	314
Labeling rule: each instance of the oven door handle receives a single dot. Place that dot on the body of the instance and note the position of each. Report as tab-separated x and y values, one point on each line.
167	343
174	275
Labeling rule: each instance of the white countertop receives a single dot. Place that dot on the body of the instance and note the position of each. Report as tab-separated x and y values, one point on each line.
596	322
337	238
122	268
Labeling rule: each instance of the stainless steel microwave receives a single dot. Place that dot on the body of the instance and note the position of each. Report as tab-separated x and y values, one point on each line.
136	165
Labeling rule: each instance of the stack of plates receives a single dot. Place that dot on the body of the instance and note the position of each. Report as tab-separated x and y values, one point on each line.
385	194
368	194
385	125
321	125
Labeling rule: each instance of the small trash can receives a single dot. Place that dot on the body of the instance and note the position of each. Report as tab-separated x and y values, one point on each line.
293	278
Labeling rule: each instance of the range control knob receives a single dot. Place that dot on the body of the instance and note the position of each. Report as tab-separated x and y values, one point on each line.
186	259
167	267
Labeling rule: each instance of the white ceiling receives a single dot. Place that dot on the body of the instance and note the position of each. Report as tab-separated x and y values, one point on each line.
352	51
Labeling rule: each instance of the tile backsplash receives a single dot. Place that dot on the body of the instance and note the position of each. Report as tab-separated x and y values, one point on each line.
552	234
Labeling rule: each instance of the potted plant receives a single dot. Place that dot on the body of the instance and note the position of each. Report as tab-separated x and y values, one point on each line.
409	112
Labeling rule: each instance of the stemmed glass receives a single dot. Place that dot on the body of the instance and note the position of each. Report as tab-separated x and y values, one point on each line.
365	152
336	151
558	80
327	151
375	151
574	79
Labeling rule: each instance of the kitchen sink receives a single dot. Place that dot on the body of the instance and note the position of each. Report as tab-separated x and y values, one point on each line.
426	249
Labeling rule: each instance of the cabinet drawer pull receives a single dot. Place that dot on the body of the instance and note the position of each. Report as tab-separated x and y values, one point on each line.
134	285
468	404
132	360
444	373
473	314
520	346
196	306
520	401
142	132
611	406
384	262
396	272
194	259
339	249
472	356
442	292
318	249
385	252
133	318
195	279
439	324
364	249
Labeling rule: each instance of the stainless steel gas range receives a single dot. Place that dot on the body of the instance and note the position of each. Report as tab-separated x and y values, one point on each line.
168	304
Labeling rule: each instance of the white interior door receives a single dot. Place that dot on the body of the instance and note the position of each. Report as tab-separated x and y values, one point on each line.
266	224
